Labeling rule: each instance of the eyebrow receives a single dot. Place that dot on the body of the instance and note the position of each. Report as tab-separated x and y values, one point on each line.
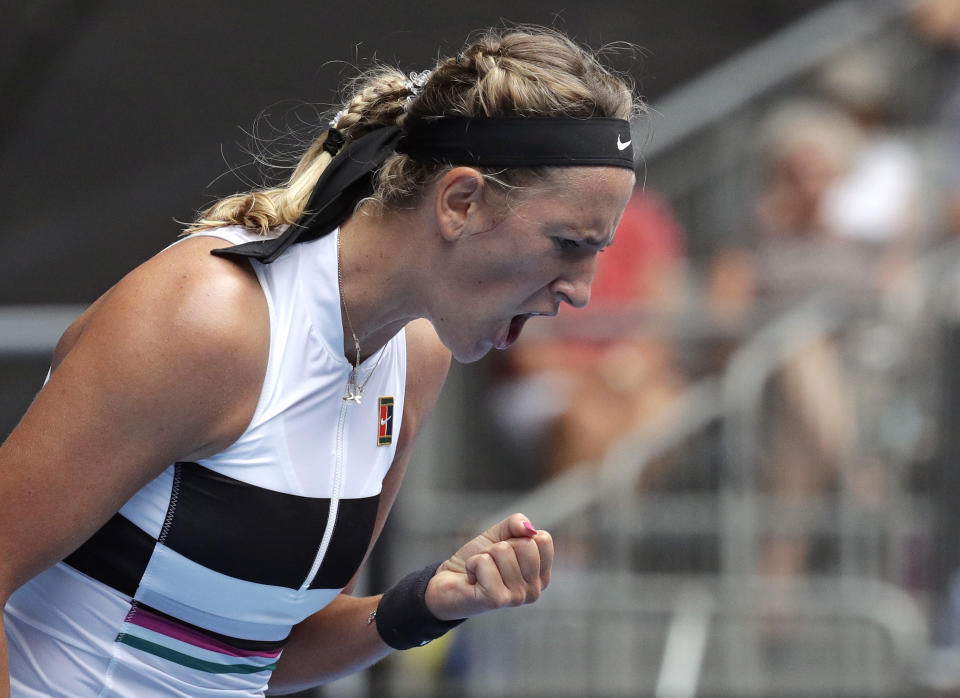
602	244
592	239
598	242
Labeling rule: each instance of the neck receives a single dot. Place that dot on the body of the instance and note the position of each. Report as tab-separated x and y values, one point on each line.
379	279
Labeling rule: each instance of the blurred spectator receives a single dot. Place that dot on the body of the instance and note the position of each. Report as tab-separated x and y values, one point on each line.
806	151
805	148
938	22
876	200
591	379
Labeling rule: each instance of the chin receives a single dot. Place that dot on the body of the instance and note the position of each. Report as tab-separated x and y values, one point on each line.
465	346
467	355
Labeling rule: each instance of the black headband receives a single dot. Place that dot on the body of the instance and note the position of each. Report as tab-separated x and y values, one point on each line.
519	141
492	142
347	179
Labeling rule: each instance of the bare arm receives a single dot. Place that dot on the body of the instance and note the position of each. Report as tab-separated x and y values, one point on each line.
507	565
137	386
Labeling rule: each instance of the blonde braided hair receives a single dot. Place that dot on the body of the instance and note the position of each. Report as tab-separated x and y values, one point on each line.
518	72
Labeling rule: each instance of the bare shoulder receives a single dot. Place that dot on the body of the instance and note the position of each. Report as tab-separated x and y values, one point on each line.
189	322
166	366
185	288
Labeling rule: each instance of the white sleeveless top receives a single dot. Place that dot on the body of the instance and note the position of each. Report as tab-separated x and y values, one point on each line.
193	586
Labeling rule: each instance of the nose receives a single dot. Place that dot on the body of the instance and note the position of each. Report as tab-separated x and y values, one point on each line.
573	287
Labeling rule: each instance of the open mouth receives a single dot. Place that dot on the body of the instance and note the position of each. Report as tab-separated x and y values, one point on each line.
516	325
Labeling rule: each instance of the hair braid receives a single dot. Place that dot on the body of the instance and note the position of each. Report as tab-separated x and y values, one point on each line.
379	102
517	72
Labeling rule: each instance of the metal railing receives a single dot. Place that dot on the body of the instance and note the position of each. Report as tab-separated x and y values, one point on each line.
782	57
33	330
577	489
705	630
669	637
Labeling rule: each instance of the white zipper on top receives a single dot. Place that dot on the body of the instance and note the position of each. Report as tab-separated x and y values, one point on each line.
334	498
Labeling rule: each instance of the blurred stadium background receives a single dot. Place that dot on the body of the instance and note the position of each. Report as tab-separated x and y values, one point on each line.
744	452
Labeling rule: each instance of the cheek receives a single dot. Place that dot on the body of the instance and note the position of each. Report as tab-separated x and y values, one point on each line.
506	265
505	276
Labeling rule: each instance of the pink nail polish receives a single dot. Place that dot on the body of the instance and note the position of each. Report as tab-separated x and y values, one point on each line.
529	526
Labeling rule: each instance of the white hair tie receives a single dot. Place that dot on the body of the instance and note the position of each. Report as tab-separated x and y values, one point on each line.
336	118
415	82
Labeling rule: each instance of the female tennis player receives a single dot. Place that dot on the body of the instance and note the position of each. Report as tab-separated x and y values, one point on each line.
187	502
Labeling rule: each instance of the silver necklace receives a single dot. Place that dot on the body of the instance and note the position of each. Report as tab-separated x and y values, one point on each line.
355	388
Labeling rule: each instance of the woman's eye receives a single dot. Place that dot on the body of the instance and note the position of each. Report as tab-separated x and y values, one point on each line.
568	244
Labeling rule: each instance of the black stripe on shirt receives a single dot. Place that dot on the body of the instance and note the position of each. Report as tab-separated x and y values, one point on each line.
351	538
264	536
116	555
238	529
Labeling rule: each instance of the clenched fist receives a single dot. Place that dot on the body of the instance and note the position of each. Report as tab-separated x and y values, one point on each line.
506	565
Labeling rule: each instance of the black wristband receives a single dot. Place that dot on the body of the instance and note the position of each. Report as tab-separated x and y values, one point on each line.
403	619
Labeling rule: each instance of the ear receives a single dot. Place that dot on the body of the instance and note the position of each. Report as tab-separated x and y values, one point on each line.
457	196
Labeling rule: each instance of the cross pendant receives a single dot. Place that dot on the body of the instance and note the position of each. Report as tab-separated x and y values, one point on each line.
353	396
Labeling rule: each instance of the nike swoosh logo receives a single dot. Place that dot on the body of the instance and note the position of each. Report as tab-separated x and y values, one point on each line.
384	421
623	146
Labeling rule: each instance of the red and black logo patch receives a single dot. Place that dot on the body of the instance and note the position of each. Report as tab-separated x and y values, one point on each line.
385	427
